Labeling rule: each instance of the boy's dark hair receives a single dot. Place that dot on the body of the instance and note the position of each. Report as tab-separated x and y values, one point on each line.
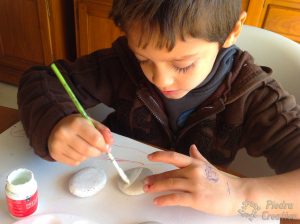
211	20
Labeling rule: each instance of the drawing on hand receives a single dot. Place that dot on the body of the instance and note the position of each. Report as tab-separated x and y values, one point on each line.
228	188
210	174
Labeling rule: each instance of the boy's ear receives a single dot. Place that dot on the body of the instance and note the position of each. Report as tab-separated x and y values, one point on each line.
233	36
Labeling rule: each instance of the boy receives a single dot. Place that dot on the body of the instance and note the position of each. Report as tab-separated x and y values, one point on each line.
176	81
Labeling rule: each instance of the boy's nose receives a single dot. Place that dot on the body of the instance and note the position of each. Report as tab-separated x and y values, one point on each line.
162	79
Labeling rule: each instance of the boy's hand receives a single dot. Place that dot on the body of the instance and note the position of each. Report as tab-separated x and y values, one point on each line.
74	140
196	184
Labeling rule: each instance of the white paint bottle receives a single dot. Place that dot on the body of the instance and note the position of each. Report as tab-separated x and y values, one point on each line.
21	193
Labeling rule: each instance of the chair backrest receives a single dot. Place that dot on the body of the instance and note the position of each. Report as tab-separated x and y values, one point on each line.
283	56
275	51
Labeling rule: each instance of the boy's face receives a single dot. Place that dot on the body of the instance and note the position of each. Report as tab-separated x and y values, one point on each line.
176	72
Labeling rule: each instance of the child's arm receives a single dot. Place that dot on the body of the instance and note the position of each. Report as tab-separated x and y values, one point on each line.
199	185
43	102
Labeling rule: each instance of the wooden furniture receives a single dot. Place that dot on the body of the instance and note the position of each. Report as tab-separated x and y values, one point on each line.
8	117
245	4
94	30
280	16
34	32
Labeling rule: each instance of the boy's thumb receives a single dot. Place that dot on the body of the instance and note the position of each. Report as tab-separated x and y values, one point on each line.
194	153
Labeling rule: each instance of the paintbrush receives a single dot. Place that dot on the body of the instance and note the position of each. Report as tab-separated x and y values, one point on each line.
84	114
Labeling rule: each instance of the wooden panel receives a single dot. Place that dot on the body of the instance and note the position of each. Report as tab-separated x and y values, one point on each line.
245	4
34	32
62	29
283	20
281	16
24	37
8	118
255	12
21	32
285	221
94	30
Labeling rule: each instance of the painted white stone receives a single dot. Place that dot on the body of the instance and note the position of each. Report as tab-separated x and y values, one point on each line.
136	177
87	182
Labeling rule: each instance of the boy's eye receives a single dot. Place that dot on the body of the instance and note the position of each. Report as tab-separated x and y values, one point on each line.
177	69
185	69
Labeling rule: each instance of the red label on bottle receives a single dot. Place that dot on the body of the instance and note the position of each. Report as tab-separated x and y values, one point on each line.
23	208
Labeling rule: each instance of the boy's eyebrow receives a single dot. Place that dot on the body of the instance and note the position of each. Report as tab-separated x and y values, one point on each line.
175	59
185	57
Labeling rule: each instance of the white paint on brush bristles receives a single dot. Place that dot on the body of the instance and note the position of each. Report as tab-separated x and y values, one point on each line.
119	169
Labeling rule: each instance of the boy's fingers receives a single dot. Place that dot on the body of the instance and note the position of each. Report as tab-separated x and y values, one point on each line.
99	125
64	158
93	137
173	158
107	135
69	160
194	153
174	199
168	184
161	176
83	148
73	154
105	131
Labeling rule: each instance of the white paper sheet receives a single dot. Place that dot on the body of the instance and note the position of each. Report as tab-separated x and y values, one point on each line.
109	206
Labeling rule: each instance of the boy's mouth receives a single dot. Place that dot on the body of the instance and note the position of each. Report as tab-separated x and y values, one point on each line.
169	92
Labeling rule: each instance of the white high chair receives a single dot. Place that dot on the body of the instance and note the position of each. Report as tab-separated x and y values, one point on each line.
283	56
275	51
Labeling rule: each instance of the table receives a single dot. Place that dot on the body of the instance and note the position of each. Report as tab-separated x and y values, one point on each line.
57	196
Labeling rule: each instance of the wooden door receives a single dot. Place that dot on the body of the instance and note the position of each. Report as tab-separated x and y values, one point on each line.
33	32
245	4
280	16
24	37
94	30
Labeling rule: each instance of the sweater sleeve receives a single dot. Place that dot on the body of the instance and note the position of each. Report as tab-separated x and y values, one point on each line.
272	127
42	100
